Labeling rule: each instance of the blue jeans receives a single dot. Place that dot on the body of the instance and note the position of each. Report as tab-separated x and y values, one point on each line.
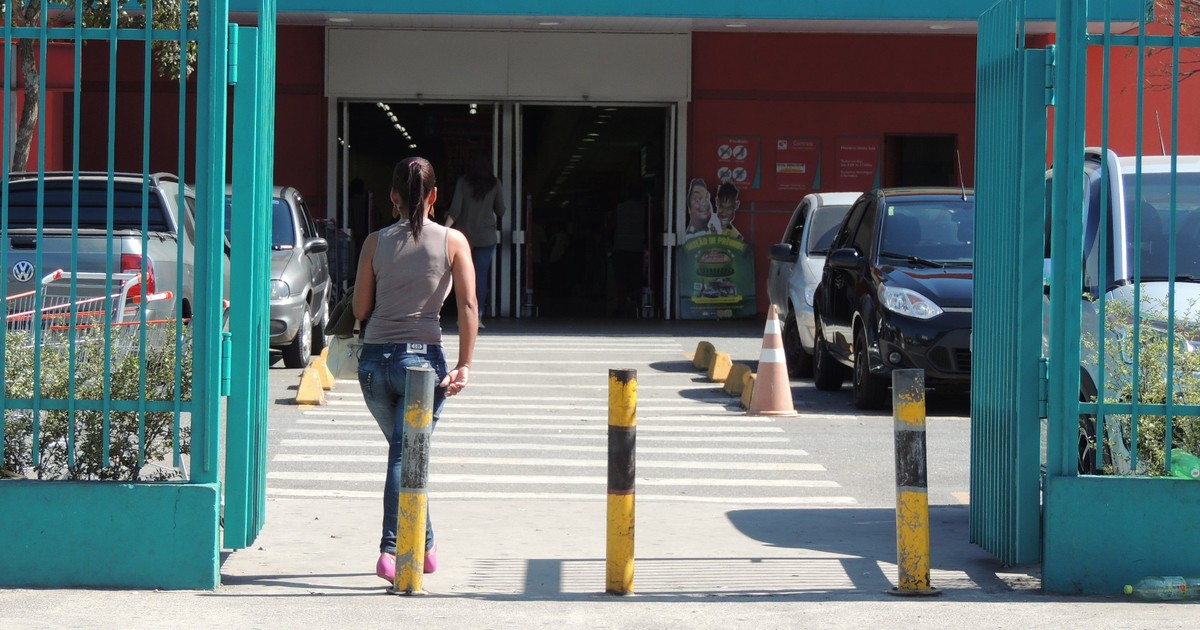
482	258
382	372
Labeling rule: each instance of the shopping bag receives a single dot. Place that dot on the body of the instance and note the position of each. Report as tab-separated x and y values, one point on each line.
342	359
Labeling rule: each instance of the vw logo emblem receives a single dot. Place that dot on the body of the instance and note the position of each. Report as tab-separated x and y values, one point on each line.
22	271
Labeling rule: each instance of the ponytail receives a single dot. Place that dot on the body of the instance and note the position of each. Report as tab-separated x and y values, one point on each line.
413	179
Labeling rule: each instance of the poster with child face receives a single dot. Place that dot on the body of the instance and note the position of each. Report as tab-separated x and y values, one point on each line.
715	266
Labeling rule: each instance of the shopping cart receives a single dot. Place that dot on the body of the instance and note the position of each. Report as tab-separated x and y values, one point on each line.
94	302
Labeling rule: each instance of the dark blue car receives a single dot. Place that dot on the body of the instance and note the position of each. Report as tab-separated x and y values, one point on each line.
895	293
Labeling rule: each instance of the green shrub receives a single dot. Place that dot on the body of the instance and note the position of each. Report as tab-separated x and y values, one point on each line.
1151	348
81	457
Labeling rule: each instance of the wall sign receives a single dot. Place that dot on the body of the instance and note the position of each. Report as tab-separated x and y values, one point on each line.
858	162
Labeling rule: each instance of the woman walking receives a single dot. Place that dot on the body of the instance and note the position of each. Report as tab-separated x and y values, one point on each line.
405	272
476	209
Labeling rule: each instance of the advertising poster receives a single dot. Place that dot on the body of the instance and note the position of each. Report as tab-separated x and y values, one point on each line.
858	162
716	277
798	164
738	161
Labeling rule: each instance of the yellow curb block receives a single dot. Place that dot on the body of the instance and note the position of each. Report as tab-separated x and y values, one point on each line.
310	391
748	388
704	353
718	368
735	381
321	365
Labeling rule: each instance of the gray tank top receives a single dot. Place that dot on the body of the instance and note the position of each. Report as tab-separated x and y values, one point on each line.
412	280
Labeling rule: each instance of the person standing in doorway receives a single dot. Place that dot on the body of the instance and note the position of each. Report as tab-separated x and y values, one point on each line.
475	210
629	250
405	273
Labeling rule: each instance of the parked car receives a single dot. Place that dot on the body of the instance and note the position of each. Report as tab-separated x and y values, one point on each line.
895	292
1136	266
136	200
300	282
796	264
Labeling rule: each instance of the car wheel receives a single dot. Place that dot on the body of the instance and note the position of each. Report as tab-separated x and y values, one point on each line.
319	340
799	362
1087	448
870	391
297	353
828	374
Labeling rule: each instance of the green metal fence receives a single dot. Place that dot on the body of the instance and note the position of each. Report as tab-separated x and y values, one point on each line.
1117	304
1122	381
117	363
1006	346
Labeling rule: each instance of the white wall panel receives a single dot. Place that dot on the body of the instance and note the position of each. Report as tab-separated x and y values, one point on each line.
456	65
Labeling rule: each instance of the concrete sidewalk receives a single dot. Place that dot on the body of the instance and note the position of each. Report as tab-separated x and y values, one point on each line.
513	564
528	563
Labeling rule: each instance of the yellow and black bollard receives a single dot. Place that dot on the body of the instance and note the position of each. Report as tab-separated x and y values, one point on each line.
912	493
622	440
414	480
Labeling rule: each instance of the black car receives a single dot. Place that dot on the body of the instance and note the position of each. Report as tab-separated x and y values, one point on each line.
895	293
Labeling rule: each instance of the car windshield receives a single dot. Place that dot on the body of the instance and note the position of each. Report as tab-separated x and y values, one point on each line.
1155	223
825	222
59	202
930	233
283	233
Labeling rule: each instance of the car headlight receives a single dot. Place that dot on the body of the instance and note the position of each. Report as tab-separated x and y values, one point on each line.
908	302
808	296
280	290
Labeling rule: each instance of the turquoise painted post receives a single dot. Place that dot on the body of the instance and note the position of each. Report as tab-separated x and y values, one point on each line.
1066	234
210	218
266	159
246	309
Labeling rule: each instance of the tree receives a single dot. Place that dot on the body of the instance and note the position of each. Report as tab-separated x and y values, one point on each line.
1160	73
165	14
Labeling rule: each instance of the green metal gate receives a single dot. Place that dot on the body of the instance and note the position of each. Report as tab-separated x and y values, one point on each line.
1010	157
1127	349
128	385
1115	309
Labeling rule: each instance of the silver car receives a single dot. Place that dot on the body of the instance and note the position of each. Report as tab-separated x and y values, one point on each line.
796	269
300	283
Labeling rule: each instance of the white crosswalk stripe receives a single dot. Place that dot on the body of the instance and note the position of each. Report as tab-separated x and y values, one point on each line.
540	433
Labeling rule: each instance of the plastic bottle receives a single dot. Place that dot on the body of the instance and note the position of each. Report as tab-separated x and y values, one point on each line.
1185	465
1165	587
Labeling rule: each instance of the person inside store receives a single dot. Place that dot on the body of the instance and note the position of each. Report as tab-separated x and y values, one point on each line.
476	210
701	219
629	249
405	273
727	206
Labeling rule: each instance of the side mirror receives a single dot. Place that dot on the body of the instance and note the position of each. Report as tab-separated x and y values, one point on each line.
316	246
844	258
782	252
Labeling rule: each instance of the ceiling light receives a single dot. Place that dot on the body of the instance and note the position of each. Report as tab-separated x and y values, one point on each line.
594	135
340	20
610	109
397	126
589	139
940	27
549	23
412	146
737	25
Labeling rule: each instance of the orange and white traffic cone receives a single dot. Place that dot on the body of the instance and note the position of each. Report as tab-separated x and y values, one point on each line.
772	394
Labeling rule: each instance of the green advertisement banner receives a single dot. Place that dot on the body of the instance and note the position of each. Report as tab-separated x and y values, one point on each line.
716	277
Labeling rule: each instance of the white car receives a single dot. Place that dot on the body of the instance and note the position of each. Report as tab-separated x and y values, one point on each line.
796	264
1135	252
